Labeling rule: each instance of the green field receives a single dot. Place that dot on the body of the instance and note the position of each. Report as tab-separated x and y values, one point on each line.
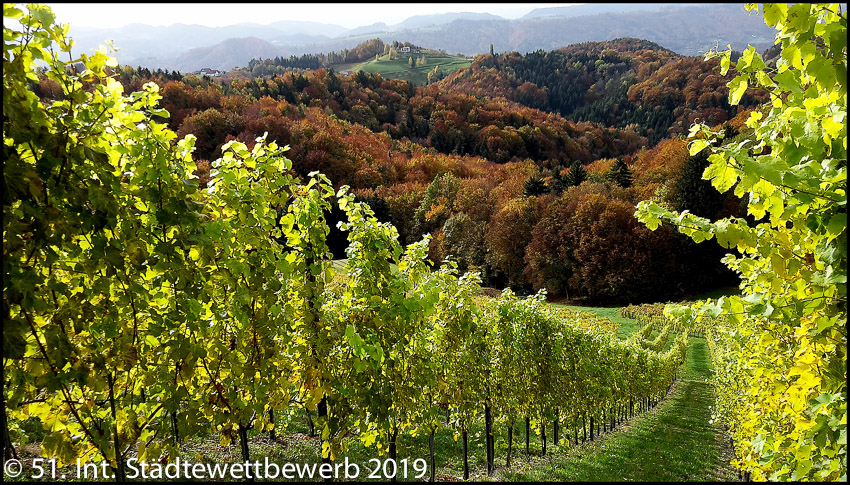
627	327
399	68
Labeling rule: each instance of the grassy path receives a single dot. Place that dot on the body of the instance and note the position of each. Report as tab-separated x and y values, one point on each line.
673	442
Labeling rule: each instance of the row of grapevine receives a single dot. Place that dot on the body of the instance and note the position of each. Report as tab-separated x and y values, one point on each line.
651	316
779	350
140	311
659	342
644	310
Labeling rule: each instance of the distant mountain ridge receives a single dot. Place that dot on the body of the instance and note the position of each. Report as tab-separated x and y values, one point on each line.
596	8
231	52
686	29
422	21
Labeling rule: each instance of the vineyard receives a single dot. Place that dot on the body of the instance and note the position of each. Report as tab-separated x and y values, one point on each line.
141	311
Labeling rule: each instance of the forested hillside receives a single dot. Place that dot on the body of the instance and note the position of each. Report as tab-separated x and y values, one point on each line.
492	164
620	83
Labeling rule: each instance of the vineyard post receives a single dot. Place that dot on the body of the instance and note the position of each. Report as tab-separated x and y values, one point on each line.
243	442
492	446
591	427
174	430
604	421
119	459
323	417
527	431
583	429
272	434
9	451
543	435
433	464
488	407
488	435
555	430
575	429
510	443
465	454
393	451
310	425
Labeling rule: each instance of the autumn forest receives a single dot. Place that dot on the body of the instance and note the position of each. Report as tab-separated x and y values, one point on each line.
526	168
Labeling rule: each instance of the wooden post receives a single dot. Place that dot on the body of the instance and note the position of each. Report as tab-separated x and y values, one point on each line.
431	454
465	456
174	430
243	443
310	425
510	444
9	451
555	428
488	437
575	429
393	452
583	429
543	435
604	423
322	409
120	474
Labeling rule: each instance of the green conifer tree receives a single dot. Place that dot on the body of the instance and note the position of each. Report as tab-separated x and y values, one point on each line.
577	174
535	186
620	174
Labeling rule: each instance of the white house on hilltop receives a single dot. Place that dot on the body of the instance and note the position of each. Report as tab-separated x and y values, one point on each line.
210	72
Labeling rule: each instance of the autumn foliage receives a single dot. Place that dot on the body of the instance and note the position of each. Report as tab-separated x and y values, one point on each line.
457	158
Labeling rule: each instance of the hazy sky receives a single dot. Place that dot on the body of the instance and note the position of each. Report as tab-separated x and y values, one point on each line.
348	15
